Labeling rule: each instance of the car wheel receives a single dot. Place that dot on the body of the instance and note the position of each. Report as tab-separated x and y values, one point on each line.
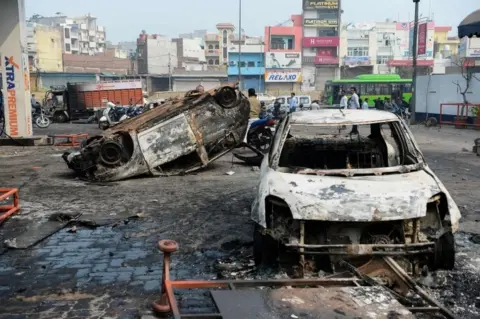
60	117
444	257
265	248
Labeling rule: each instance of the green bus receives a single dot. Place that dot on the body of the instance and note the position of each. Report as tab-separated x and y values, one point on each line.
373	86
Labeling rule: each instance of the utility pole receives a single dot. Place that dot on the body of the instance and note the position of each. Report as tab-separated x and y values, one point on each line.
240	42
413	103
169	71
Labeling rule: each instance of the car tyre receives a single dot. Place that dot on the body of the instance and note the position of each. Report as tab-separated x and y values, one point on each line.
265	248
60	117
444	252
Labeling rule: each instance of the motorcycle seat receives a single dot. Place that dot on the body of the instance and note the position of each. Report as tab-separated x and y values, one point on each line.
259	122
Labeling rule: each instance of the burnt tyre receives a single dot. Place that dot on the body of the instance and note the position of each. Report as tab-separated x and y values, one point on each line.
261	139
444	256
265	248
60	117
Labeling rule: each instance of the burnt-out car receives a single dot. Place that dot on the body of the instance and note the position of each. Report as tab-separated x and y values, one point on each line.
180	136
343	183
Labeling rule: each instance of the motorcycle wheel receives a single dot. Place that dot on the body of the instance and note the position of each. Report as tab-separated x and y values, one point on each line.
42	121
261	139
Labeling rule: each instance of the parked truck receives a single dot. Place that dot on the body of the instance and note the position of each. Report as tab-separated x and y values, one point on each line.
85	98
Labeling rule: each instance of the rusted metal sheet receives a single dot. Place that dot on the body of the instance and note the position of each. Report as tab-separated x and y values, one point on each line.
177	137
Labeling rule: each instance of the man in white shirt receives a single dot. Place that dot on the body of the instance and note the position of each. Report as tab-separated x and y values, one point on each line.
354	100
343	100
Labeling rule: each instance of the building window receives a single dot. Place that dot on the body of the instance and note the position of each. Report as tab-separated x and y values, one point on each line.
328	32
225	35
67	33
358	51
217	46
328	15
251	64
242	64
225	53
383	59
210	62
210	47
282	42
217	62
67	47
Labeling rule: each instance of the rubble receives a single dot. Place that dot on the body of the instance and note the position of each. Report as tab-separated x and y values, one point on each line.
178	137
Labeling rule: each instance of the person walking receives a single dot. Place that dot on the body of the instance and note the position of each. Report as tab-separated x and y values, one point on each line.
343	100
365	104
354	100
293	103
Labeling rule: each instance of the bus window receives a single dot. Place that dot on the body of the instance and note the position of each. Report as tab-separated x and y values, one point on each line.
362	89
407	88
383	89
371	89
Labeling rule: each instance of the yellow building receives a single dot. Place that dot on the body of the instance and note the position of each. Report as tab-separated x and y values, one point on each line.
44	48
445	46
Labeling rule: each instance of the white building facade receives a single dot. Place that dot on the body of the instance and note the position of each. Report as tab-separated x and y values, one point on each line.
80	35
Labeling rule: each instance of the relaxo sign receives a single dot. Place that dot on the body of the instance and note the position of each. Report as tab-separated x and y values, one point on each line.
283	77
11	97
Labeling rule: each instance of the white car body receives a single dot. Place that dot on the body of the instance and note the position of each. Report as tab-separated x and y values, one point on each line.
264	97
399	188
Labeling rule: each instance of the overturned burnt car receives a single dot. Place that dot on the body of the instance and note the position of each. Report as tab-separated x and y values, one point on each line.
180	136
343	183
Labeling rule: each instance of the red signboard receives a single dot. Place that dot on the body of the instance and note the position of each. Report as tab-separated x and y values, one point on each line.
422	38
326	52
410	63
315	42
326	60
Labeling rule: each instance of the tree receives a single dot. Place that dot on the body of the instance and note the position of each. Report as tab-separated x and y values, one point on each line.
467	74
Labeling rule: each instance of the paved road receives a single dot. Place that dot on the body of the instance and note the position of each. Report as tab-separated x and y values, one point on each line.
115	271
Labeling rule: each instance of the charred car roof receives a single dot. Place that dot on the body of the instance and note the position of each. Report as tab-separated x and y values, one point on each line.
341	117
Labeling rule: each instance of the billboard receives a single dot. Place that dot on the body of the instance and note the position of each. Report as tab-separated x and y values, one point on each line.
316	42
356	60
283	60
319	23
422	38
318	5
326	60
279	76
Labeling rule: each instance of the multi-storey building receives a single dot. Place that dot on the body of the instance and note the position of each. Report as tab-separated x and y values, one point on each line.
444	45
80	35
156	54
44	46
217	44
283	57
190	54
247	64
321	40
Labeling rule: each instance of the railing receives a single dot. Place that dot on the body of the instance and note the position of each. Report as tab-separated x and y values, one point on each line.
212	52
467	115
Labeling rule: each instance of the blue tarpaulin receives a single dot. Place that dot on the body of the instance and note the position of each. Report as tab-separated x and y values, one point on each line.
470	26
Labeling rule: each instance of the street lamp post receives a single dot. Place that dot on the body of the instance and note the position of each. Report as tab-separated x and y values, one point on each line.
239	42
413	106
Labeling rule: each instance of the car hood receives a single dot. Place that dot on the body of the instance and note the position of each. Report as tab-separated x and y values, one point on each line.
358	198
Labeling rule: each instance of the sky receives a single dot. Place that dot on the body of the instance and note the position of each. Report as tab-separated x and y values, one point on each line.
124	19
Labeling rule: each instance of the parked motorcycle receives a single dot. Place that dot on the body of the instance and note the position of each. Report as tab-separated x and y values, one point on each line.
112	115
259	138
38	116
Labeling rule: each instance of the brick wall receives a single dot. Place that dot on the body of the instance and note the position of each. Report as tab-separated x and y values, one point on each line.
96	64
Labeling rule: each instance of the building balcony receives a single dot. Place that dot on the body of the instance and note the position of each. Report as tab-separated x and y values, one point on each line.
92	33
233	70
212	37
210	52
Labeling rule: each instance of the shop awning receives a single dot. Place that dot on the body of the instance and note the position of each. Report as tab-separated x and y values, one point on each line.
470	26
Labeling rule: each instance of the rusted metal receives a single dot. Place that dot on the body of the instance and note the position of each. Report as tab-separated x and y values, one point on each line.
72	140
398	282
413	285
178	137
9	209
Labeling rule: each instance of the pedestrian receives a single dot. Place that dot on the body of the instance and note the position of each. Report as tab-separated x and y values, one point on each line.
343	100
354	102
293	103
255	107
365	104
